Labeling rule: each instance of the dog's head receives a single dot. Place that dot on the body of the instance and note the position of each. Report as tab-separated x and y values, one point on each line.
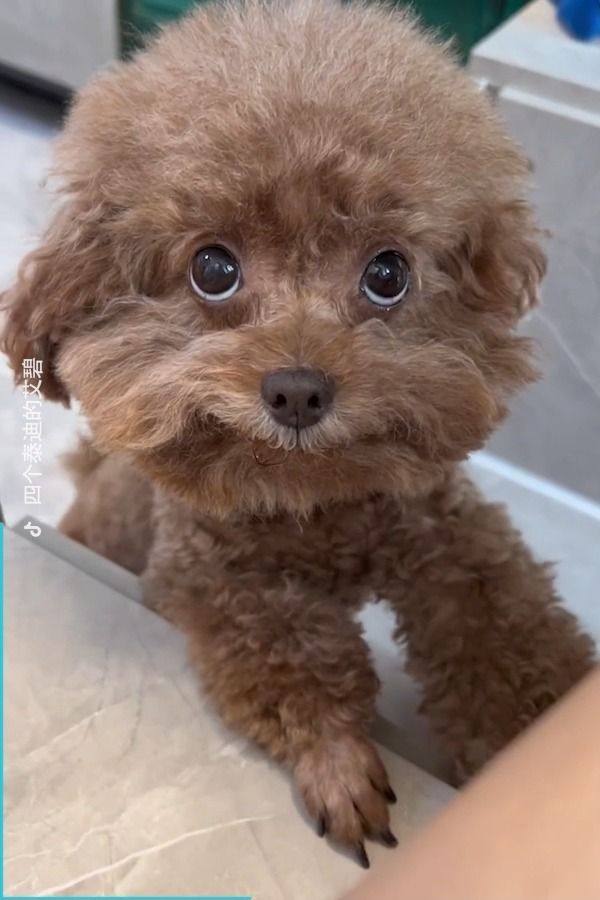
291	256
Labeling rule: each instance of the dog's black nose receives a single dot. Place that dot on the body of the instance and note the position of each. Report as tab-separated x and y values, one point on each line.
297	397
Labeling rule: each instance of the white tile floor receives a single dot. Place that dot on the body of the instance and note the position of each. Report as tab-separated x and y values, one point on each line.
558	525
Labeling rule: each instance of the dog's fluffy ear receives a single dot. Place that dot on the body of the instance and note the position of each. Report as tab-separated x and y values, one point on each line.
53	285
505	264
73	267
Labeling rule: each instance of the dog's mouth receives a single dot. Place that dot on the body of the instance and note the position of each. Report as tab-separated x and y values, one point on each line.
284	448
329	442
280	446
266	454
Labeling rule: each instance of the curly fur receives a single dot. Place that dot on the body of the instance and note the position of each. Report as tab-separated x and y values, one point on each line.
307	136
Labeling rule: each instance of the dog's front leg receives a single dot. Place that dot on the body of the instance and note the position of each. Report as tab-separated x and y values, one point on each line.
292	673
485	632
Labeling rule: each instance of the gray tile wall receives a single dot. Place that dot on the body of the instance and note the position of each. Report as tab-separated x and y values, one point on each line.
555	426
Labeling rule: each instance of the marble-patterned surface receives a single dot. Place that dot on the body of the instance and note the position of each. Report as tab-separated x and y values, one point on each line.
120	779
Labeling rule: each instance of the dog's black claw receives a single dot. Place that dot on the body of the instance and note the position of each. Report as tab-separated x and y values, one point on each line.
361	855
390	795
389	839
321	826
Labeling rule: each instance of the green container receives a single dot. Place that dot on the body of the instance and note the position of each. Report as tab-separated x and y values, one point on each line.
465	20
140	17
147	14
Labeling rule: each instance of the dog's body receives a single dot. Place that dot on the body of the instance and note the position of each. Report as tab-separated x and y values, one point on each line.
268	605
284	287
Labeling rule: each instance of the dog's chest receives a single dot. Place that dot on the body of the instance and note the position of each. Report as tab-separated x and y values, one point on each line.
337	549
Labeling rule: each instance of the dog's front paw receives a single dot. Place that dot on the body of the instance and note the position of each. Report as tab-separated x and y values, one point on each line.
345	787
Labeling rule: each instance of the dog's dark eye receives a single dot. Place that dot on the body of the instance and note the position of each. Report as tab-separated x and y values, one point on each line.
215	274
386	279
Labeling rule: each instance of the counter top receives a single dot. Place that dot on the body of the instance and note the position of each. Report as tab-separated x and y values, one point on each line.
120	778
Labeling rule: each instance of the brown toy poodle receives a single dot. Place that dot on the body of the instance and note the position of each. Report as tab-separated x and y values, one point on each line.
284	284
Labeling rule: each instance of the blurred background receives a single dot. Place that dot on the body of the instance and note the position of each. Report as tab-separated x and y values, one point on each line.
36	34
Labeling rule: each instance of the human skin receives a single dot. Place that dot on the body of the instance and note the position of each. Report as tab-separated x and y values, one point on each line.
526	829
